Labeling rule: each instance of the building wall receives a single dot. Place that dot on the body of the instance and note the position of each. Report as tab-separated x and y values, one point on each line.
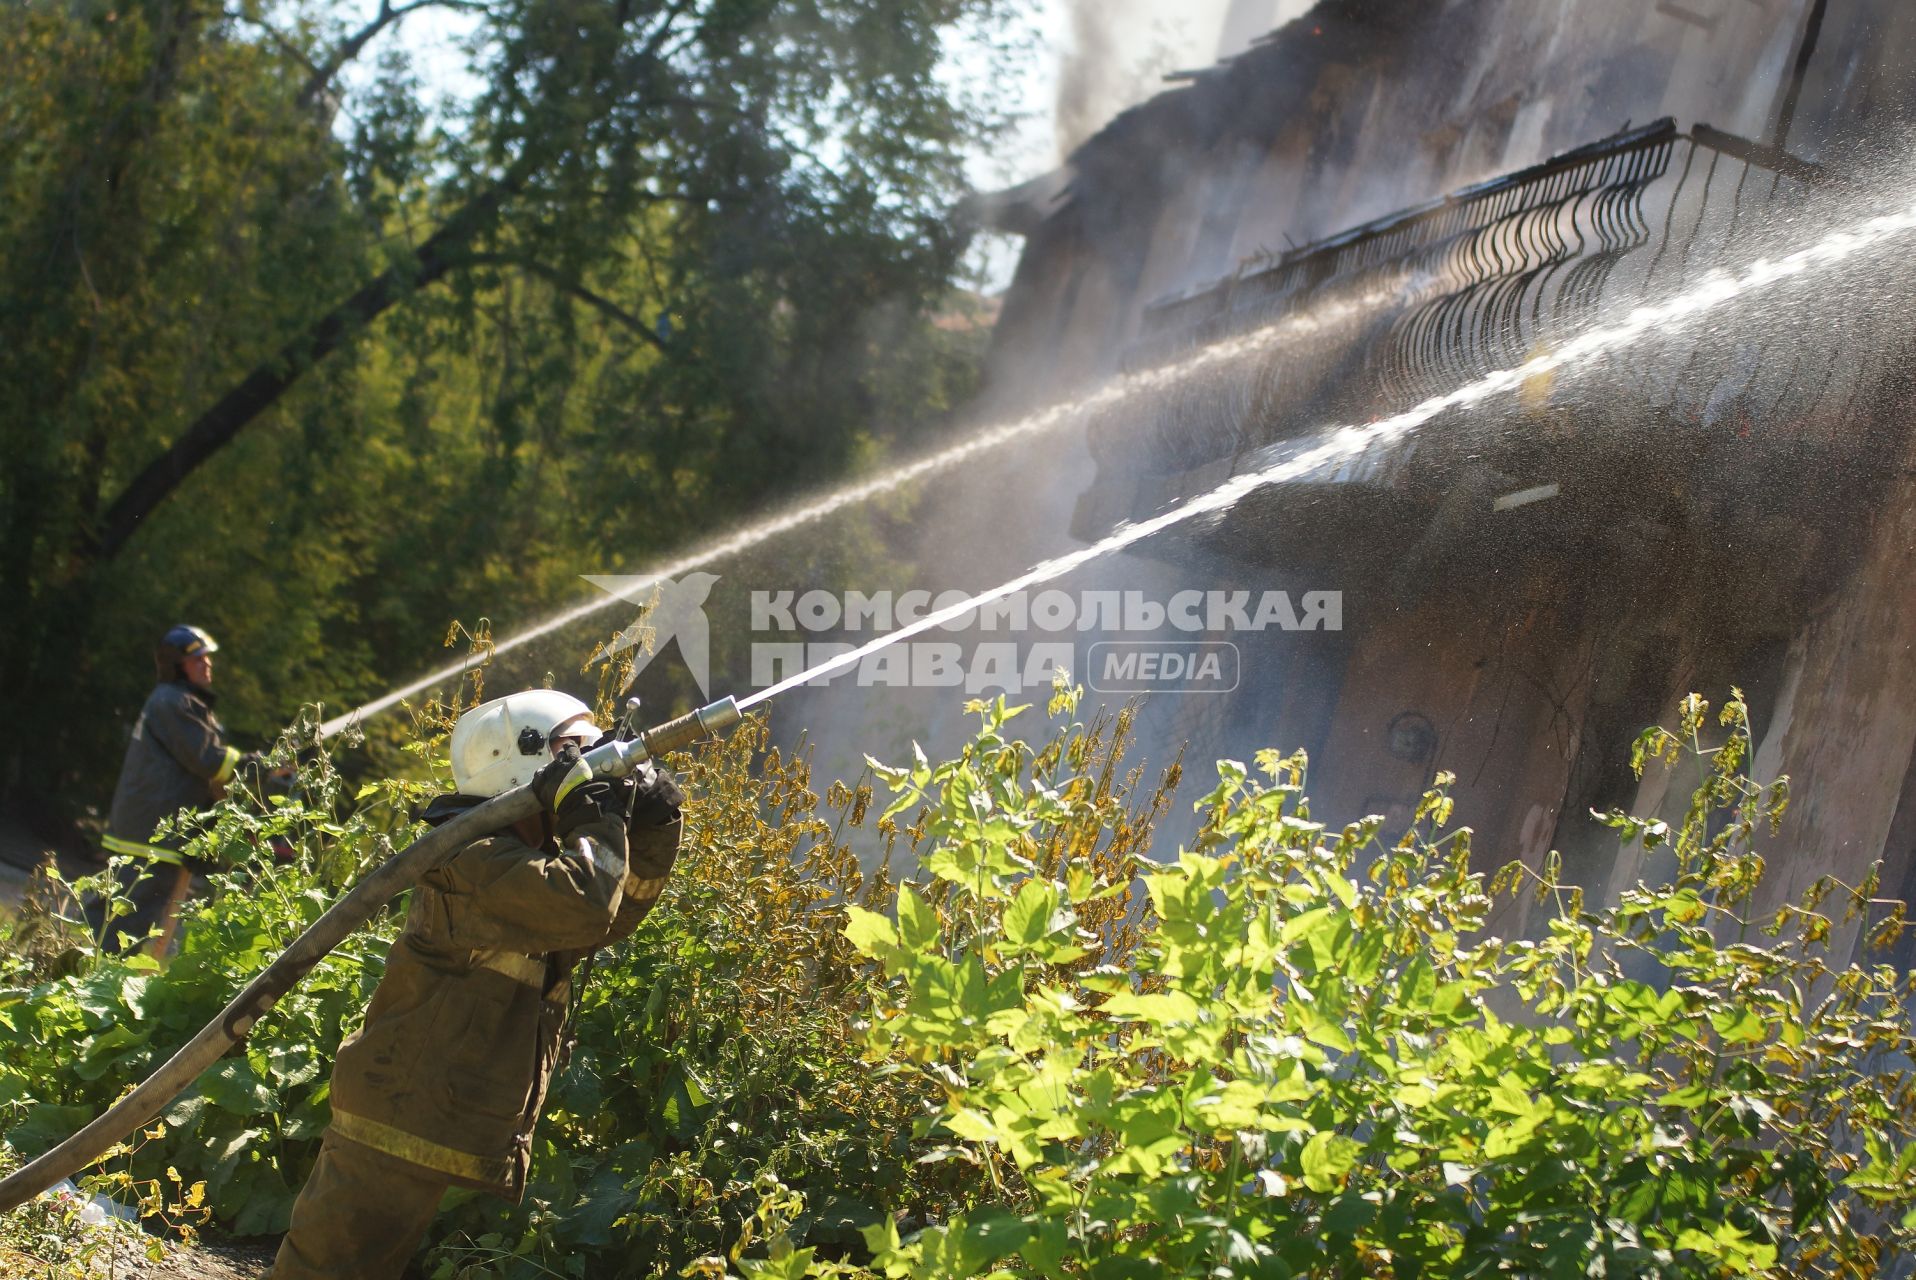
1348	115
1844	729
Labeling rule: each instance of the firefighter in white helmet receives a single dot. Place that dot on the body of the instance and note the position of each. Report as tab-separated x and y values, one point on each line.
444	1082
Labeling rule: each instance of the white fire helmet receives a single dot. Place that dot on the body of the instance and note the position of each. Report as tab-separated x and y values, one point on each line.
499	745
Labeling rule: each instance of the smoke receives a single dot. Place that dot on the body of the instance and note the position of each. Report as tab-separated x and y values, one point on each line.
1115	54
1085	75
1247	21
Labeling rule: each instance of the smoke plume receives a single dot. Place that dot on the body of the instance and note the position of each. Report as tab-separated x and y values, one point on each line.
1115	53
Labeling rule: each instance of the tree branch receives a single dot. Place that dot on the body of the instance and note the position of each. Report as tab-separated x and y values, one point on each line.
214	429
286	46
355	44
441	252
566	284
673	12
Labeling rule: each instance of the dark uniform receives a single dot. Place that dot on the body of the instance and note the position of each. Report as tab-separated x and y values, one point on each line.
444	1083
178	759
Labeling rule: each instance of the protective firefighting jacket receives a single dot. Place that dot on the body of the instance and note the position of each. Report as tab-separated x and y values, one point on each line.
178	759
450	1069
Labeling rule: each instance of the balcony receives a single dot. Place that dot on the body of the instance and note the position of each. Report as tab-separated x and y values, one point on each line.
1383	316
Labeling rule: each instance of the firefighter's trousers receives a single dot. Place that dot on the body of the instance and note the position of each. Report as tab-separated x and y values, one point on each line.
361	1216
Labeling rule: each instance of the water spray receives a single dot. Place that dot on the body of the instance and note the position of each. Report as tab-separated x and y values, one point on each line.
1143	382
616	759
393	877
1341	444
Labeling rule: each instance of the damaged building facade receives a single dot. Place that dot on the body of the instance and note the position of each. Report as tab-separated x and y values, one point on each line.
1385	199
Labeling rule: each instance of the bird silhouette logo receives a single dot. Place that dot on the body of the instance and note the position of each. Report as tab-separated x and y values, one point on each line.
668	610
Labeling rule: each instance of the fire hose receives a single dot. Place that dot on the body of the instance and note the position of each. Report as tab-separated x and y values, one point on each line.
391	878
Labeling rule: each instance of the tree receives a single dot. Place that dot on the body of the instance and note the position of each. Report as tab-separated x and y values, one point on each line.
242	348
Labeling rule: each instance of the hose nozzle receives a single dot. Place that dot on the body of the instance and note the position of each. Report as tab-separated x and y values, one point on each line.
687	729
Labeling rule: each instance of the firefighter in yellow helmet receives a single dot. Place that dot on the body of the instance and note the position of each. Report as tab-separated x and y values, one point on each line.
444	1082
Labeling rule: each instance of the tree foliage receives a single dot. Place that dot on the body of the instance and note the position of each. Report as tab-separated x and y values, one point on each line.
322	356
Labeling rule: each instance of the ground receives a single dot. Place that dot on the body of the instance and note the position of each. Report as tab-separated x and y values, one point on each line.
210	1262
18	852
207	1262
21	851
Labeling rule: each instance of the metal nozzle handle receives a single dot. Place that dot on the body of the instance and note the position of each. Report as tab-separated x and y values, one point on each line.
690	728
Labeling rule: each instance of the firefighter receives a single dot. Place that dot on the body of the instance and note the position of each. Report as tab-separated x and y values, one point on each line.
178	759
444	1082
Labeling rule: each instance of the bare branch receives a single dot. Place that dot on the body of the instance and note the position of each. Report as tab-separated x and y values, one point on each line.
285	46
700	104
355	44
673	12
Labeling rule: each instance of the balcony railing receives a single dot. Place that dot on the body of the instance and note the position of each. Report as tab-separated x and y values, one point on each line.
1412	305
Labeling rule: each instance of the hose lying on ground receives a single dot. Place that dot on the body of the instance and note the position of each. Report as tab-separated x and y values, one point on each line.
391	878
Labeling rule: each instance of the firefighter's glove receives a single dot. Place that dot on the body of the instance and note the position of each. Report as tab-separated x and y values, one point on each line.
658	798
573	795
589	802
557	784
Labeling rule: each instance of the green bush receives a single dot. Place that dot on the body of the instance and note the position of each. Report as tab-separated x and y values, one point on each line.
1315	1061
716	1057
1295	1049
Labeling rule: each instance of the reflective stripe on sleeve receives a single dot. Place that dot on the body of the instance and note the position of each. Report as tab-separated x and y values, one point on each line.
227	765
643	890
423	1152
134	849
530	970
